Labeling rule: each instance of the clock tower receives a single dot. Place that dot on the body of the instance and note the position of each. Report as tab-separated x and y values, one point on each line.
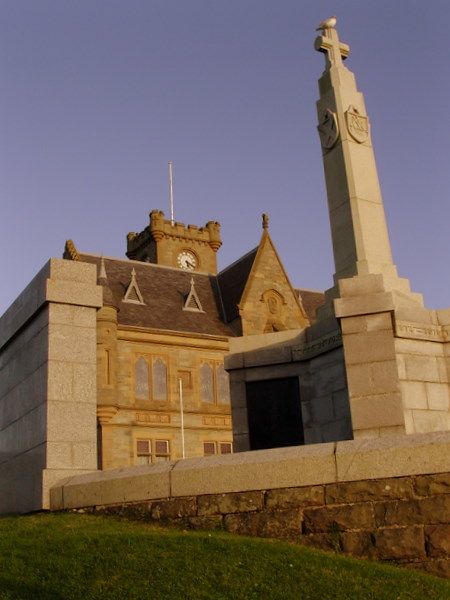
173	244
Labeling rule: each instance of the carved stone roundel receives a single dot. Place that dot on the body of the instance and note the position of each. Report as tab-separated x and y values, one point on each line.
328	129
357	125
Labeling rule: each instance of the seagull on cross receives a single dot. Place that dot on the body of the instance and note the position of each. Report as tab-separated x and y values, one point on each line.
327	24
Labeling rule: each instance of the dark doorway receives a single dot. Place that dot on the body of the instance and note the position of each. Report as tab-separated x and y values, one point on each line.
274	413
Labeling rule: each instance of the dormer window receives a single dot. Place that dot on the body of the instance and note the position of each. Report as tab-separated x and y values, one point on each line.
133	294
192	301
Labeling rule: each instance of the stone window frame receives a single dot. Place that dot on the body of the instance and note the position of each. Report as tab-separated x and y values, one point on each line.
218	447
150	358
152	454
215	365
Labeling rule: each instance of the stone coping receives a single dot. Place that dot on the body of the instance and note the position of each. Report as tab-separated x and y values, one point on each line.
369	458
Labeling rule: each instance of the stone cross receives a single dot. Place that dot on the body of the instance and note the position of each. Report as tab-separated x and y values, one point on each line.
334	50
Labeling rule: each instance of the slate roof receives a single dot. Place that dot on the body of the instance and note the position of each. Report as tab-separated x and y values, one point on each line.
231	282
164	290
311	301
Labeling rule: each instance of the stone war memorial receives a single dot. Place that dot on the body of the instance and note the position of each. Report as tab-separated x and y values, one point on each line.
158	388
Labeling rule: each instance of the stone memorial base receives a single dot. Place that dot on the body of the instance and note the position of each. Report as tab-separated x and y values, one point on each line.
376	363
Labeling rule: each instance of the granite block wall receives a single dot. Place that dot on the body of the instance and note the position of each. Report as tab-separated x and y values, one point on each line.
48	384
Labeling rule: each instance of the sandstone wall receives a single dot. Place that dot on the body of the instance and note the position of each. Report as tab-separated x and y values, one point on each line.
48	384
124	418
386	499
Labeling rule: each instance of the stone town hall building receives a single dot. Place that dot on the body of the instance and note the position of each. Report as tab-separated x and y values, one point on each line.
166	320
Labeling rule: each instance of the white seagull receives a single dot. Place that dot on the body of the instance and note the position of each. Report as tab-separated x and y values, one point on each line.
327	24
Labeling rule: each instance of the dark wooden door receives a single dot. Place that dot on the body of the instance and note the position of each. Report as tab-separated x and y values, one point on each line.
274	413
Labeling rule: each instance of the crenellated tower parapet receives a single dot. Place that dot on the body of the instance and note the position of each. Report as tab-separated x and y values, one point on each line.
173	244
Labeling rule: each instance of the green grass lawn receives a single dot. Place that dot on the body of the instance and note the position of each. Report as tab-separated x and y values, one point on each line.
62	556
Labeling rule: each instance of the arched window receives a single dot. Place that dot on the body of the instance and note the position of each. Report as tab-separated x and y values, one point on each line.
206	383
159	379
141	379
223	385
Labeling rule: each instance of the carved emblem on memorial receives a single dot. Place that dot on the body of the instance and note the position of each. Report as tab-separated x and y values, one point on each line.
328	129
357	124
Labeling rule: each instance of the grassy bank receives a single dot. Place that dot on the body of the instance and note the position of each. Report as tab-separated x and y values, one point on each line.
67	556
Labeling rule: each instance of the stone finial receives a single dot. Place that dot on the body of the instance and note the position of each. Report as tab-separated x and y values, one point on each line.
102	270
265	221
108	299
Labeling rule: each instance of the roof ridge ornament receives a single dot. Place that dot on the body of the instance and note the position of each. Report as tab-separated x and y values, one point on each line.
133	294
265	221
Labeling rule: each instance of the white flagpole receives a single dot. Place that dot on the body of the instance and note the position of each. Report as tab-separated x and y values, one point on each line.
180	383
172	219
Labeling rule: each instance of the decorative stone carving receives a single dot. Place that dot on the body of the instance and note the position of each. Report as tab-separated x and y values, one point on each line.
357	125
106	413
328	129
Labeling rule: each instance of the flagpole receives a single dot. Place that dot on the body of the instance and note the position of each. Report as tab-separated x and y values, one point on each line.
172	218
180	384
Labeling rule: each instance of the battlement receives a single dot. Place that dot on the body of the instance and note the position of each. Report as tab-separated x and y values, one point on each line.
147	245
160	227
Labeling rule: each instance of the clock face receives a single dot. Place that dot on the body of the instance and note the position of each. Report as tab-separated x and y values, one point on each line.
187	260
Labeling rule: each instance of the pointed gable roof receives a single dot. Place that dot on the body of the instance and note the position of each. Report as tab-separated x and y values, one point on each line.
265	244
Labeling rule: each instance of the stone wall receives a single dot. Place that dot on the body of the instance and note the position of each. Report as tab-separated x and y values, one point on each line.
48	384
315	356
396	356
386	499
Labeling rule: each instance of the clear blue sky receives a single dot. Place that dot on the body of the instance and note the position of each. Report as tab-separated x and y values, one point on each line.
97	95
